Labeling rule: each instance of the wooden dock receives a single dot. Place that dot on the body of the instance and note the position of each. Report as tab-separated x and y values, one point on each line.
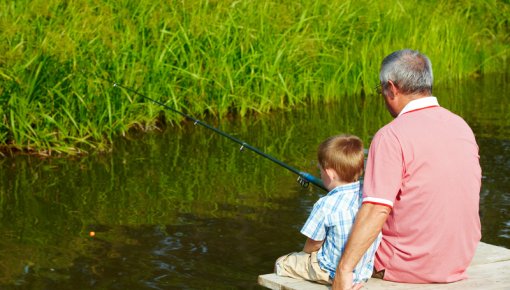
490	269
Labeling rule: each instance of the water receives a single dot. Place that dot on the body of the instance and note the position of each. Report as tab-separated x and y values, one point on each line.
185	209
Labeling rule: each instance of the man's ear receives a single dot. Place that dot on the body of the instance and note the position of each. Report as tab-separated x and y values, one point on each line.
393	89
331	174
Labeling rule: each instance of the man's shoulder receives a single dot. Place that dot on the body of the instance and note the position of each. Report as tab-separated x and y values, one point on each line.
454	116
388	131
438	117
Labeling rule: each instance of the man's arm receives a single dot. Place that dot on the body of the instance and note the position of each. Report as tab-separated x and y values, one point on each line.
369	222
312	246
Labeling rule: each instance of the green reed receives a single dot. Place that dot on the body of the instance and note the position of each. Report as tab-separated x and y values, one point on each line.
215	58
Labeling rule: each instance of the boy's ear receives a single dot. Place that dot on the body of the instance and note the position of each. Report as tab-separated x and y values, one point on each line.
331	174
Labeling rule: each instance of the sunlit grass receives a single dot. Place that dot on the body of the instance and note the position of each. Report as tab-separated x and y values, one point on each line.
215	58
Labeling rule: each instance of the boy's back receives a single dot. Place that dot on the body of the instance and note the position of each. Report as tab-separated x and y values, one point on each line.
331	220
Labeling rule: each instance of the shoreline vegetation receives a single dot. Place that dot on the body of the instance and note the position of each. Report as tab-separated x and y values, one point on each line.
59	59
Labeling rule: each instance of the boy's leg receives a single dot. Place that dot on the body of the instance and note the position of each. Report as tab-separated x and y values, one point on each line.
303	266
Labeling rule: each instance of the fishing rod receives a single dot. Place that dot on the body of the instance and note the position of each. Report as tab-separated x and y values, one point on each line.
304	178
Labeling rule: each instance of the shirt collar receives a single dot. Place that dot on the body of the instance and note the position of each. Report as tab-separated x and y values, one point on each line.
346	187
420	104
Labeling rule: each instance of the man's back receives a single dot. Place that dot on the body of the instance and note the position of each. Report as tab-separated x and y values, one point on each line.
426	163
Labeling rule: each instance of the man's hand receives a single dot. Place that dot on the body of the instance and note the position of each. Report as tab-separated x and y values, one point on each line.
369	222
343	281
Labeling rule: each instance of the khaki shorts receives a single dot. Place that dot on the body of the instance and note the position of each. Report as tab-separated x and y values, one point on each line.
302	265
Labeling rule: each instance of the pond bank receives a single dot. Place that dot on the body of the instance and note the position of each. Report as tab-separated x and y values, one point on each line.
216	57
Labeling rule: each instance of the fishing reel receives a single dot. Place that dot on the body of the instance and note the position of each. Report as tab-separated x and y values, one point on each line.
303	182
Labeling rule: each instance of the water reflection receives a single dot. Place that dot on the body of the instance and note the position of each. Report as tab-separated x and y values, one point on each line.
184	209
495	194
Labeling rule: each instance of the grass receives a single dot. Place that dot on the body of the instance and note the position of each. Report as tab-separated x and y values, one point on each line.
215	58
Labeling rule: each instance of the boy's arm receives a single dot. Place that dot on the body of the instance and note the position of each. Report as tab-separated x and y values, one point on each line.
312	245
314	228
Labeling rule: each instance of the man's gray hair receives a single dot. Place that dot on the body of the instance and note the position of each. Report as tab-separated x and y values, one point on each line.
409	70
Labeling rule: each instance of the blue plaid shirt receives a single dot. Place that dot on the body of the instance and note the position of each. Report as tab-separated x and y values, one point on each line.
331	221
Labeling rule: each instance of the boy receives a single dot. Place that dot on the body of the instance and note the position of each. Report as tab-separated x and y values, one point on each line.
329	225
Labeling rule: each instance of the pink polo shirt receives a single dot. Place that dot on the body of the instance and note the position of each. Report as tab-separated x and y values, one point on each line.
425	166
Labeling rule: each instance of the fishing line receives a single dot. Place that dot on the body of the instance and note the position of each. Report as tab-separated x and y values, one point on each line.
304	178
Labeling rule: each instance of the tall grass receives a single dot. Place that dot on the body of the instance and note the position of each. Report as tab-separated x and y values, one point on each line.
216	58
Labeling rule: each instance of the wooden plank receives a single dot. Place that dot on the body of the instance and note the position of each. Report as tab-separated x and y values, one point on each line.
275	282
487	253
490	269
483	276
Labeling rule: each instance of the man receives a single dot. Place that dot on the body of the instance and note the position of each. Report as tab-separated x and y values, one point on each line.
421	185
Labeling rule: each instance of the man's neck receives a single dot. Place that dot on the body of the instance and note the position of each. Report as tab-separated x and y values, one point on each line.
420	103
406	99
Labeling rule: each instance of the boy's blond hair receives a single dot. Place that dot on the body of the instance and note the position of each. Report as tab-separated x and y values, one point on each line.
344	154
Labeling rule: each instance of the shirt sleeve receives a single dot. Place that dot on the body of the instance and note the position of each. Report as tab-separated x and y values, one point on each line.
384	170
315	228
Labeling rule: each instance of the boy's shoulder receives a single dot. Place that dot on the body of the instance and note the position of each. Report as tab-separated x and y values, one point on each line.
344	195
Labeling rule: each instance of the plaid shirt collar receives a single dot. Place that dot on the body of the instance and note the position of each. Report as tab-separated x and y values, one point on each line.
347	193
345	189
